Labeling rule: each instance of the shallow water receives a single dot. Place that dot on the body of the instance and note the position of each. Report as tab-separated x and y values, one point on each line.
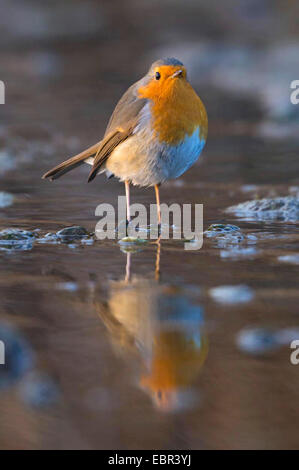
161	348
142	359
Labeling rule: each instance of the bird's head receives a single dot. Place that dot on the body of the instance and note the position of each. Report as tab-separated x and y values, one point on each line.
163	76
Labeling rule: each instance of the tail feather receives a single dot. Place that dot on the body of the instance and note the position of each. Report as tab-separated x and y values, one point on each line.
71	163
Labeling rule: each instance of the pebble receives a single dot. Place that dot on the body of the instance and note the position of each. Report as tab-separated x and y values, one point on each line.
6	199
16	239
279	208
231	295
292	259
72	233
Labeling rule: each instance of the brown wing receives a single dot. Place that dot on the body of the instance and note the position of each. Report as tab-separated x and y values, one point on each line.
121	126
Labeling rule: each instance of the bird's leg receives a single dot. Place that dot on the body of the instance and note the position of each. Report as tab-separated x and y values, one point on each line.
127	186
128	268
158	207
157	267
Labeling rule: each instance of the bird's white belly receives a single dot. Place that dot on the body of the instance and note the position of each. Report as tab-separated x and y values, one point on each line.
145	162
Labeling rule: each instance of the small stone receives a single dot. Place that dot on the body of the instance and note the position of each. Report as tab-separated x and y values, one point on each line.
131	244
15	235
7	162
238	253
6	199
279	208
224	234
292	259
222	228
72	233
132	240
231	295
16	239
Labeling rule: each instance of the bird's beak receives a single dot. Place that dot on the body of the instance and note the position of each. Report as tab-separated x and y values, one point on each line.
177	73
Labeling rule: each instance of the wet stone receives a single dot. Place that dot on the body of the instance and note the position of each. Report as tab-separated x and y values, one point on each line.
292	259
15	235
224	233
222	228
72	233
239	253
231	295
132	244
279	208
16	239
7	162
6	199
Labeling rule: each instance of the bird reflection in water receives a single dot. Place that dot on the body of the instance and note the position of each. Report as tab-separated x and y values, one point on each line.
160	325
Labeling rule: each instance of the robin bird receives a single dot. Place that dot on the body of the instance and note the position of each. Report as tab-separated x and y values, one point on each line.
156	132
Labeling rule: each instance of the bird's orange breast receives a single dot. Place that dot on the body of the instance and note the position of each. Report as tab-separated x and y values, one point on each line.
176	110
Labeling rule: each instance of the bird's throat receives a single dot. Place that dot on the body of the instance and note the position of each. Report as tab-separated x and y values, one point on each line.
176	112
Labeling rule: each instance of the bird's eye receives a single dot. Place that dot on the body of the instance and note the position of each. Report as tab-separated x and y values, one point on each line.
157	76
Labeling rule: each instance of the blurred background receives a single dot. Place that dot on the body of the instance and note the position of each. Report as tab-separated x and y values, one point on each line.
102	351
